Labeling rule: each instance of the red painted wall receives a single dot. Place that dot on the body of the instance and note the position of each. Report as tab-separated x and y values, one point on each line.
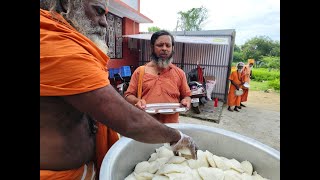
130	57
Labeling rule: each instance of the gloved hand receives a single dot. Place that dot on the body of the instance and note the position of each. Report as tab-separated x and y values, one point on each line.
186	141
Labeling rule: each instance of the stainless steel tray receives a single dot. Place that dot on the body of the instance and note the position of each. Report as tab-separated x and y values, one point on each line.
165	108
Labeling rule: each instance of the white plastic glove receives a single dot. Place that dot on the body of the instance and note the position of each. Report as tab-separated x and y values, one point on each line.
185	141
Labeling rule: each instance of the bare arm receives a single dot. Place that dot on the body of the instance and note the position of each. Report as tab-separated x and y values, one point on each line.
132	99
186	102
185	91
111	109
131	93
140	103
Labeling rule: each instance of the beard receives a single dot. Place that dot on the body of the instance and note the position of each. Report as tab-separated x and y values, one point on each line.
100	43
77	18
162	62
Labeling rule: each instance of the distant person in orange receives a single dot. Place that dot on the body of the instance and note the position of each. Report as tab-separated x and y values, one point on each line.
80	112
162	82
247	73
236	80
233	68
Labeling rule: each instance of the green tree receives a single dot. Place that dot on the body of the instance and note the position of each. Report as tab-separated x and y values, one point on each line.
237	57
193	19
270	62
275	51
153	29
237	54
237	48
258	47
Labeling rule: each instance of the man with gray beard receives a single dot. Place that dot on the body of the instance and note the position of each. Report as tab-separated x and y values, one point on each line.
162	82
80	112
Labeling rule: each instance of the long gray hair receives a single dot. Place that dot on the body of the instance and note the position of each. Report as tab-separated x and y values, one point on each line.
56	5
73	12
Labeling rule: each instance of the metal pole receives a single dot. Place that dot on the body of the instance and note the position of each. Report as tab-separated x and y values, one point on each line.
230	62
182	56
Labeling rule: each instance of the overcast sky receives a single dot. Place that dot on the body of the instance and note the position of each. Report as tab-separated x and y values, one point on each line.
249	18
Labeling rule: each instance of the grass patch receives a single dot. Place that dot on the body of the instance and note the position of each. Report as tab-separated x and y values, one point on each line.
263	74
258	86
262	86
274	84
263	79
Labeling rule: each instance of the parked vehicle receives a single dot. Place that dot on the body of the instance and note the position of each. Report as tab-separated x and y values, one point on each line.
120	83
120	78
197	86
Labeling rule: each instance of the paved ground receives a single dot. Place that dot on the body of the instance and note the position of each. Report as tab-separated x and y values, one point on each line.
208	112
260	120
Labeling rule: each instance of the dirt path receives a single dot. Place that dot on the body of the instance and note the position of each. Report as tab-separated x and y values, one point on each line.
260	120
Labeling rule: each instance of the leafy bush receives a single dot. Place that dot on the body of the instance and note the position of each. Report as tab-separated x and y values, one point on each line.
263	74
270	62
274	84
237	57
153	29
260	46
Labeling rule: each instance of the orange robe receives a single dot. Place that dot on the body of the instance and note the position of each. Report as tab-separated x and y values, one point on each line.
85	172
71	64
234	100
169	87
246	73
246	78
